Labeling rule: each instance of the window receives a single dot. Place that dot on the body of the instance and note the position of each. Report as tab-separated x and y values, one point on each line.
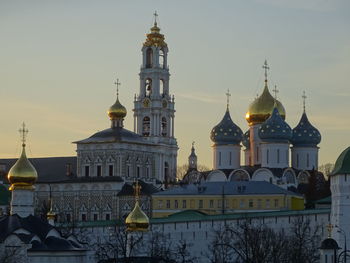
164	127
68	218
149	58
230	160
167	203
95	217
128	170
148	87
297	160
183	203
257	154
83	217
160	204
268	203
176	204
87	171
138	170
278	155
211	203
200	204
276	203
219	158
108	217
241	203
99	170
267	155
251	203
110	170
146	126
259	203
307	160
147	172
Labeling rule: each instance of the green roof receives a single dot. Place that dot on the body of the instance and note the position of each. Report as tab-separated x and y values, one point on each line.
326	200
342	165
193	215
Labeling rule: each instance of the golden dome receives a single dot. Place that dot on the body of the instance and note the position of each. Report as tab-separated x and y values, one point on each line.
261	108
50	215
155	38
117	111
137	220
22	175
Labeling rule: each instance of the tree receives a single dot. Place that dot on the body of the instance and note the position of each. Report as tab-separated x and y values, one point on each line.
182	170
326	169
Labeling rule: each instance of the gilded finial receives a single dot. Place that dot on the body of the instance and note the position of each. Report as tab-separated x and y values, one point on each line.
275	91
304	100
117	83
155	18
228	95
23	132
329	229
266	68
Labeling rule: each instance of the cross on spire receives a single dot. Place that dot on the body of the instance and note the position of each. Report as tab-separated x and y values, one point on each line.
266	68
275	91
228	95
137	188
23	132
304	99
155	17
117	83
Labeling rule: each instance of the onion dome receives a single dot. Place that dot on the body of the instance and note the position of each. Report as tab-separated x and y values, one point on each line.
304	134
260	109
137	220
22	174
117	111
246	139
275	129
155	38
226	132
342	165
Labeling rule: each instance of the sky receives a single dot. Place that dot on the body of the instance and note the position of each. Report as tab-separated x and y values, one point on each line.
59	59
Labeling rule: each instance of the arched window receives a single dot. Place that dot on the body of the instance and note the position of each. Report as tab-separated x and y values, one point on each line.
146	126
161	87
164	127
166	172
148	87
161	58
149	58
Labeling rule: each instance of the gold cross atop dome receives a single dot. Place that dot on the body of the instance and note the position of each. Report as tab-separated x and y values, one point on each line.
23	132
155	17
228	95
275	91
266	68
304	99
117	83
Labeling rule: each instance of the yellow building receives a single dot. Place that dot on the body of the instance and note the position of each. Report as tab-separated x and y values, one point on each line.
225	198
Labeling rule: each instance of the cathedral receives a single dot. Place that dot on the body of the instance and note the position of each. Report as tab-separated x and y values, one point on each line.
273	151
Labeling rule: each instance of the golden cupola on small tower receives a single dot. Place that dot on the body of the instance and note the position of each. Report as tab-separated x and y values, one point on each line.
261	108
22	175
137	220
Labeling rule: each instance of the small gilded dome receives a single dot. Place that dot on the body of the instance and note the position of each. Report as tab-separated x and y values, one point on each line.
22	175
226	132
117	111
155	38
275	129
304	134
260	109
137	220
246	139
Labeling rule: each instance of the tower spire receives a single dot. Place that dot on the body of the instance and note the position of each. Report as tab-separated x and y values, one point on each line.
266	68
304	99
228	95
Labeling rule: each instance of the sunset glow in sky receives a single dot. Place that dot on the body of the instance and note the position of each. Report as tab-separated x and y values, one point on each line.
59	59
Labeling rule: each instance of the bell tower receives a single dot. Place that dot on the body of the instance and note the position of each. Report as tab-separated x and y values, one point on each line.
154	110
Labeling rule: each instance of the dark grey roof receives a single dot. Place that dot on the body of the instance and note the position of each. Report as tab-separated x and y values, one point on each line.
227	188
116	134
329	243
50	169
36	227
146	189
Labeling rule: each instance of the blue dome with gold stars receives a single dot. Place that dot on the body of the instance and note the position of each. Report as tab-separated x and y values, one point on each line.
304	134
246	139
275	129
226	132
